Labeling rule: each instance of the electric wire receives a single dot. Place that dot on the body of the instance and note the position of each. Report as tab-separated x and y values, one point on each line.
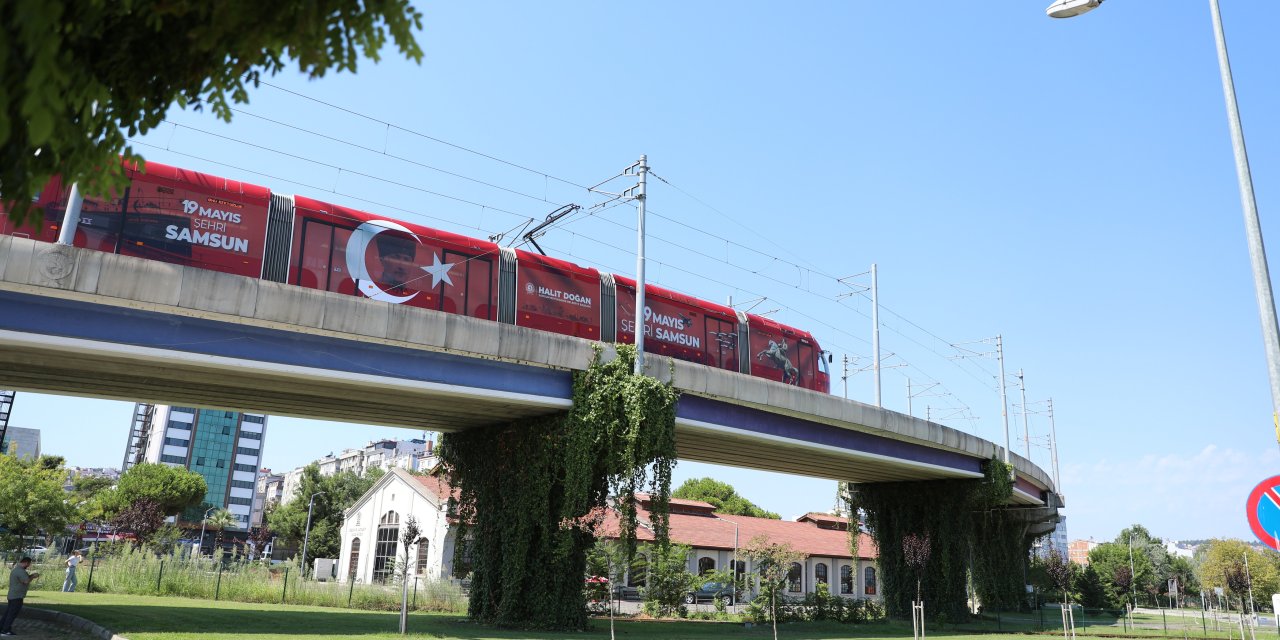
661	178
802	269
342	169
393	156
420	134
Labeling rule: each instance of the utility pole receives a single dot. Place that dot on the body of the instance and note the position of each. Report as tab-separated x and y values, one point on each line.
1004	403
924	390
845	377
1026	430
1004	399
640	171
306	535
1252	226
875	330
1133	574
1053	448
71	221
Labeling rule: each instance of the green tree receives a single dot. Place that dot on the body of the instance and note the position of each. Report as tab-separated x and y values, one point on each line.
173	488
86	495
1093	594
721	495
1182	569
1218	558
220	521
1109	557
773	564
78	76
32	501
669	579
340	491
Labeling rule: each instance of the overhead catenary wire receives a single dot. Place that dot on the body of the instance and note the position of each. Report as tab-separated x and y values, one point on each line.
392	125
547	176
803	270
384	152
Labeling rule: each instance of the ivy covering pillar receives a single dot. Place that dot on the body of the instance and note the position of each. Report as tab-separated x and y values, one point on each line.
531	491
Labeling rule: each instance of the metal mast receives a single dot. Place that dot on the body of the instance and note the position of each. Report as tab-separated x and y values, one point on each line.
641	170
1252	226
1026	430
1004	403
875	330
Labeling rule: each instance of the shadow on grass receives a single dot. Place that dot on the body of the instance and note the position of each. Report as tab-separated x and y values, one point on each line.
183	617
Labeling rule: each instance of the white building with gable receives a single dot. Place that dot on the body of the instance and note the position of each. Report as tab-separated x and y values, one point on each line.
373	525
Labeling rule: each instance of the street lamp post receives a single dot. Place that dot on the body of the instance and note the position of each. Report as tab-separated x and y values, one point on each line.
203	522
306	534
1133	574
733	565
1252	226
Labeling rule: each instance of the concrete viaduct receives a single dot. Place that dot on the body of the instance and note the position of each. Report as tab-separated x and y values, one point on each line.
81	322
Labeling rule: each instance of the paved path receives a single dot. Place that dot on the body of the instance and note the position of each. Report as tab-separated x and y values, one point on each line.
27	629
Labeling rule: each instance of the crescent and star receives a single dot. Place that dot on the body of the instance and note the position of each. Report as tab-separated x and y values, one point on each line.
359	245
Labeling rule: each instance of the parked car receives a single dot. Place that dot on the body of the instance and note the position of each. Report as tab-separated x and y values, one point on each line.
708	592
35	552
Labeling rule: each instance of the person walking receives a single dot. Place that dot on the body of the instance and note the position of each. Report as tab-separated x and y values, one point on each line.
73	561
19	580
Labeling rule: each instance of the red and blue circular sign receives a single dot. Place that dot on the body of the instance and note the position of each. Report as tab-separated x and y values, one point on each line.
1263	509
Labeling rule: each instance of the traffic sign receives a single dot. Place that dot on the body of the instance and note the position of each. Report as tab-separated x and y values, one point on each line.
1263	510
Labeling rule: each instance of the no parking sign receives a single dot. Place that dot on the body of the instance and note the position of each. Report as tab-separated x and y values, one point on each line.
1263	509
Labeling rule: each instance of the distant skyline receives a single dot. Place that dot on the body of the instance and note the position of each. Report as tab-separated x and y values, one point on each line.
1067	184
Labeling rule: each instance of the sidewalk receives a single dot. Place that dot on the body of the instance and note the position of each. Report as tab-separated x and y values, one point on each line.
28	629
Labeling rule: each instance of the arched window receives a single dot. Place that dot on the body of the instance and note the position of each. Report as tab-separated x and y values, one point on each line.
706	565
384	553
355	559
846	580
424	546
739	570
869	581
793	578
820	573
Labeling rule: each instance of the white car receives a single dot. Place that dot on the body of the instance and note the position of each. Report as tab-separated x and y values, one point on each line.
36	552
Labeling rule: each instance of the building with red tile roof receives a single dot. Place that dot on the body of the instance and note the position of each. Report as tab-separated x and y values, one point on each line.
370	540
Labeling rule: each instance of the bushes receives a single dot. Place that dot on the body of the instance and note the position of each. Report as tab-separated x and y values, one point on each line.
816	606
129	571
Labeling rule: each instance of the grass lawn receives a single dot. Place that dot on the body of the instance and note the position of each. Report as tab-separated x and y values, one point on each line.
153	618
170	618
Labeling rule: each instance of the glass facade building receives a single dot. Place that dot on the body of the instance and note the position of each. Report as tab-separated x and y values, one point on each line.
223	446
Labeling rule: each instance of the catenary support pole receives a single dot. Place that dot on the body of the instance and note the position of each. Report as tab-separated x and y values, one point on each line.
1026	428
1053	448
1252	226
1004	403
71	221
875	330
642	170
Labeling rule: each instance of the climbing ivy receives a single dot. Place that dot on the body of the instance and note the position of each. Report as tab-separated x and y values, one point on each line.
530	492
970	530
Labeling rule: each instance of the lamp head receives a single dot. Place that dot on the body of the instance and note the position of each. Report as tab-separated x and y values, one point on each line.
1071	8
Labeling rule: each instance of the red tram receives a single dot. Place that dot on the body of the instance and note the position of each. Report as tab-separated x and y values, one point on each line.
184	217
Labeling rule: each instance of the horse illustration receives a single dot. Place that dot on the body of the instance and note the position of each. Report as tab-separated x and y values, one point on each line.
777	354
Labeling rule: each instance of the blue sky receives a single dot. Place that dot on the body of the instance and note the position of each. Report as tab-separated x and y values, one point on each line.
1067	184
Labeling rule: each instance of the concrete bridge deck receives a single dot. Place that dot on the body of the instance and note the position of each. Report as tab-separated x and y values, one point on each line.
82	322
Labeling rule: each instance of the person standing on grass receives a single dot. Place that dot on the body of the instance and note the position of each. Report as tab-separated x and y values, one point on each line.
73	561
19	580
